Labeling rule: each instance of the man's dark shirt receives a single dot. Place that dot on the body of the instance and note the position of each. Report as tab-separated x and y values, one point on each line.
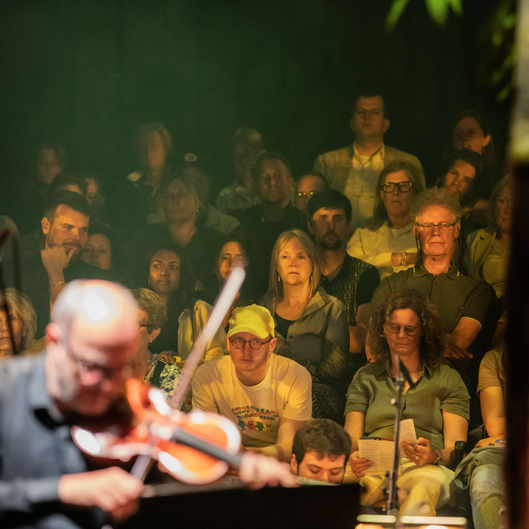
36	285
36	449
261	236
353	285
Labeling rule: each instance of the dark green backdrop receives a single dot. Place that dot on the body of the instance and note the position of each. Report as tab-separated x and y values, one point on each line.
86	72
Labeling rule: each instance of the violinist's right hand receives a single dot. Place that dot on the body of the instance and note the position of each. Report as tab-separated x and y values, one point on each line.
359	464
111	489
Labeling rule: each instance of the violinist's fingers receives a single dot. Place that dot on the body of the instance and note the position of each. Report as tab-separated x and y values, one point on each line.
258	470
125	512
109	489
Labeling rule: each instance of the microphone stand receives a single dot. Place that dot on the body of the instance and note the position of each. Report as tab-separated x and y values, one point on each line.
403	375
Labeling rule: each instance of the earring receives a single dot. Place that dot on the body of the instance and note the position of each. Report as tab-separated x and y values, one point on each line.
278	278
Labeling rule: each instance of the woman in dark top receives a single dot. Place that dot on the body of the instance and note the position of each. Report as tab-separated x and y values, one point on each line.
170	276
311	326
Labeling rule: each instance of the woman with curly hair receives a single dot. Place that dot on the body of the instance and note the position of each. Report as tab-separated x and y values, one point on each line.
405	326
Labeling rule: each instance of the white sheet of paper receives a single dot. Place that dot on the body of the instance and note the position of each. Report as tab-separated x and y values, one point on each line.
379	452
407	433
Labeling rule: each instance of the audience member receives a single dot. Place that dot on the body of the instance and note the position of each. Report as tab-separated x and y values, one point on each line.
350	280
488	250
171	277
354	170
464	179
135	205
266	395
178	204
232	252
153	370
262	224
462	302
100	248
65	233
23	323
207	216
405	327
307	185
471	130
68	182
246	146
49	160
310	326
44	477
388	241
320	451
479	477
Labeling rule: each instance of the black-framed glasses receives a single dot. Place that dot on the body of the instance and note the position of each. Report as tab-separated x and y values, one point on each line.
394	328
147	325
404	187
444	227
255	343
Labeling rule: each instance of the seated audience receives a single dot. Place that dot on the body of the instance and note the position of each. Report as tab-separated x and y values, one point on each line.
68	182
23	323
405	327
350	280
488	249
320	451
232	252
178	204
171	276
246	146
135	203
266	395
471	131
28	207
464	179
153	370
388	241
98	249
307	185
310	326
479	477
65	232
262	224
462	302
354	170
207	216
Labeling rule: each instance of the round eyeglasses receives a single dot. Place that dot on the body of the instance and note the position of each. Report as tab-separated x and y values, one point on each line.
394	328
305	194
254	343
404	187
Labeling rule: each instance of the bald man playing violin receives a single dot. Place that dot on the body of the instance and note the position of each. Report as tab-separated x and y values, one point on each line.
43	475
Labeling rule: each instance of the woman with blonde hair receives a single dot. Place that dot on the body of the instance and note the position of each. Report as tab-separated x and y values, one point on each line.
23	322
311	326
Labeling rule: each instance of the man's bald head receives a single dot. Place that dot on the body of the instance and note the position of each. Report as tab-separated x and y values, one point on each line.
90	343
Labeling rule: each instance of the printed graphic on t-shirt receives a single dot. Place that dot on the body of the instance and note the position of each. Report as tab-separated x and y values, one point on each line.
249	418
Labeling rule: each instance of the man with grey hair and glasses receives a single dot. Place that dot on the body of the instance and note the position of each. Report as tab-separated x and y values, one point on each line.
462	302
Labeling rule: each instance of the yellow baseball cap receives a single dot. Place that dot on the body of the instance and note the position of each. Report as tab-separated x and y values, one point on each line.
253	319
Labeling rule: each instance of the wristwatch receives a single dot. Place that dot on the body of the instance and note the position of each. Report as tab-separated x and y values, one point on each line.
404	260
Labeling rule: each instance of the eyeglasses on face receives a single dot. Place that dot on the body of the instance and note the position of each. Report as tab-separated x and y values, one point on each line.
255	343
404	187
305	194
444	227
148	326
94	373
394	328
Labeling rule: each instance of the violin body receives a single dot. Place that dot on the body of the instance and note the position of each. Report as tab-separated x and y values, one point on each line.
175	439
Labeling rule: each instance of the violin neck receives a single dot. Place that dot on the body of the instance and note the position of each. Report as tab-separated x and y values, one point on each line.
185	438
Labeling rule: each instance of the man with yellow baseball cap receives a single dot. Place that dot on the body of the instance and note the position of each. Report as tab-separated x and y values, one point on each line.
267	396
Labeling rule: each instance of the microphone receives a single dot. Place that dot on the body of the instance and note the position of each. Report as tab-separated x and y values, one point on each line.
406	374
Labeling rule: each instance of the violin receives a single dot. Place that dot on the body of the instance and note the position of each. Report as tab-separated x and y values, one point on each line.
196	448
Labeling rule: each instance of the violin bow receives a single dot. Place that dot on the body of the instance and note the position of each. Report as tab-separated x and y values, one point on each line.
220	309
